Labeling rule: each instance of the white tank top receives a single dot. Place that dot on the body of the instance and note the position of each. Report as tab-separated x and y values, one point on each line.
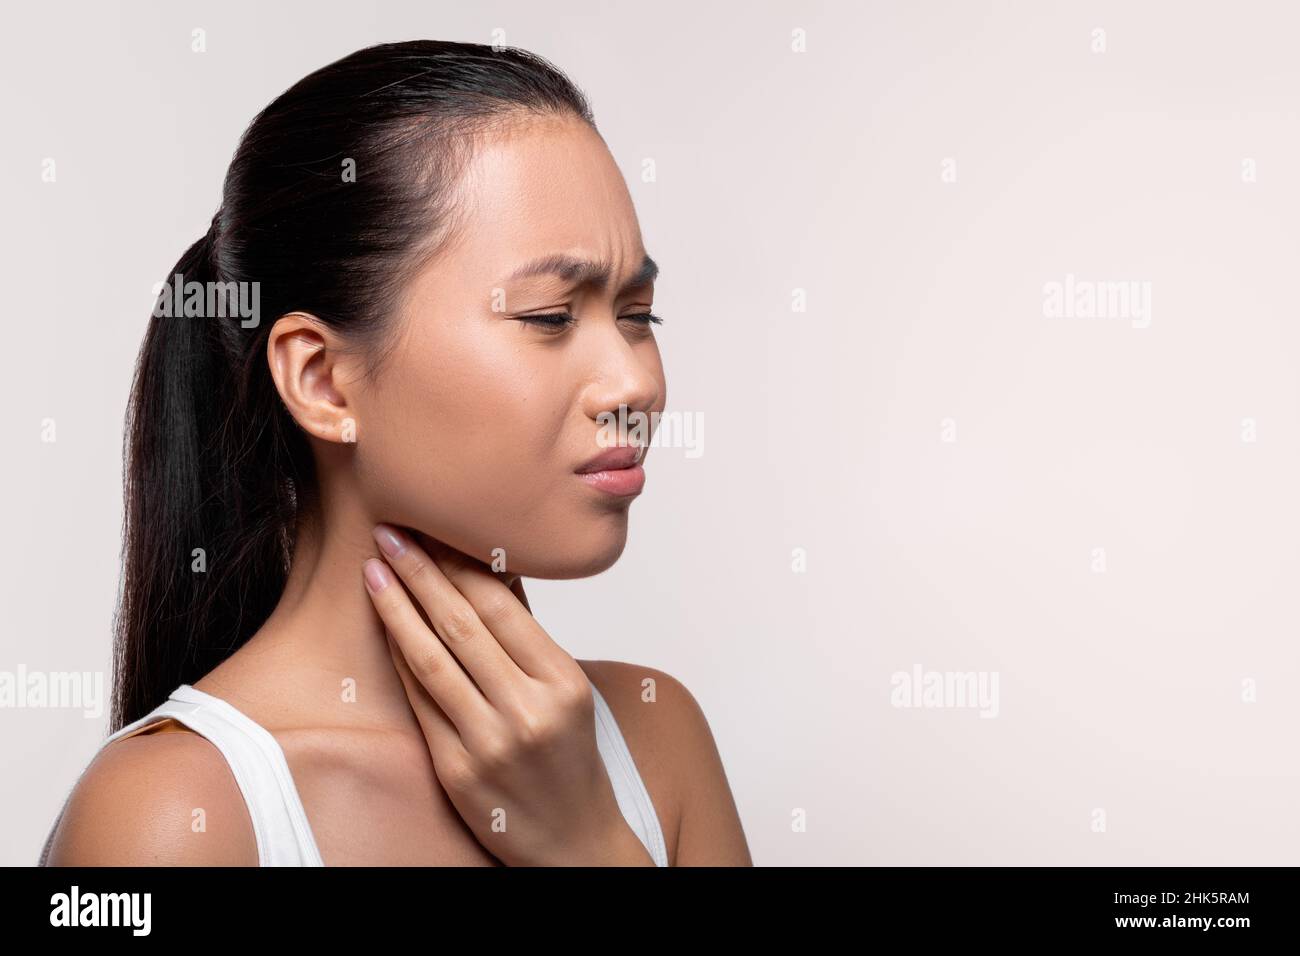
284	835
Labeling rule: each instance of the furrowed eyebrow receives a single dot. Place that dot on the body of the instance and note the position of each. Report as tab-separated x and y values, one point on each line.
584	271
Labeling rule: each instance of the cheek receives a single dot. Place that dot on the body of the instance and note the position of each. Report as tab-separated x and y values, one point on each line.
462	449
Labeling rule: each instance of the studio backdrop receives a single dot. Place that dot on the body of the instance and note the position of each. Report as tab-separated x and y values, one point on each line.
977	537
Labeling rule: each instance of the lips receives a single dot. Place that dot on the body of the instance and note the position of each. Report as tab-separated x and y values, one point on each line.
613	459
616	471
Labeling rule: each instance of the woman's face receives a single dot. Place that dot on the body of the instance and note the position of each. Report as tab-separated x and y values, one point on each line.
476	428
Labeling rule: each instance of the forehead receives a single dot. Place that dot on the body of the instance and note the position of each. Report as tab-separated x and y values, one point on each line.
546	186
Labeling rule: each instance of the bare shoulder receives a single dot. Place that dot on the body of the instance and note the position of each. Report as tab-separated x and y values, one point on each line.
675	752
645	699
156	799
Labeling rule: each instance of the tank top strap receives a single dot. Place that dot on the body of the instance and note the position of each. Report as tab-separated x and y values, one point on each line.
256	760
629	788
284	835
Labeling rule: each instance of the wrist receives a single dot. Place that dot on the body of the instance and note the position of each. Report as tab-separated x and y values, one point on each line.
626	848
618	845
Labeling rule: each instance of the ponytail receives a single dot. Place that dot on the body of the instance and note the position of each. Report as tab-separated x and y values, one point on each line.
207	527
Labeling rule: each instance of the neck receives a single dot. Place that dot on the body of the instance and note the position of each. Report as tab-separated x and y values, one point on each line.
324	646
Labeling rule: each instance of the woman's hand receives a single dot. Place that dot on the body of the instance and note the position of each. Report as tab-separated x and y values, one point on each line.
507	713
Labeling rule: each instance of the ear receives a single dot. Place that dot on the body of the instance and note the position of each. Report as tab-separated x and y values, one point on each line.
312	373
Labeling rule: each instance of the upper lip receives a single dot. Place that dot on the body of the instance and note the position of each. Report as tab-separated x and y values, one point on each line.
613	459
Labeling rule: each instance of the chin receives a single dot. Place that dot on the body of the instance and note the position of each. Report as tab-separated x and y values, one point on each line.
574	554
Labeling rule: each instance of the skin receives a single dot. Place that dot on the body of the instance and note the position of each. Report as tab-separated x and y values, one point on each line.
468	437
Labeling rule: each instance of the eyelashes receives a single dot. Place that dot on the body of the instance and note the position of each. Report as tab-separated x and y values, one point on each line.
558	321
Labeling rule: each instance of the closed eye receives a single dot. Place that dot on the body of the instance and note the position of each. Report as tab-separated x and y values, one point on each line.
562	320
556	320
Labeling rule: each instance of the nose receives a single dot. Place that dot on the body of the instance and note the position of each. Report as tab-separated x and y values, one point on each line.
622	373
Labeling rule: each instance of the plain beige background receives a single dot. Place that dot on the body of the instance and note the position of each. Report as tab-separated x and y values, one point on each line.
824	171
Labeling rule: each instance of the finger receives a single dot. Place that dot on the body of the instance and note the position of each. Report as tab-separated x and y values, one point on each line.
498	606
445	744
430	662
517	588
454	619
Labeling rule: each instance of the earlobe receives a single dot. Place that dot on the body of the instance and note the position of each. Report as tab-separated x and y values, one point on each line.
308	369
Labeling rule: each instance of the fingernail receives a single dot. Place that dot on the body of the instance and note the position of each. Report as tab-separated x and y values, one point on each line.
377	575
389	540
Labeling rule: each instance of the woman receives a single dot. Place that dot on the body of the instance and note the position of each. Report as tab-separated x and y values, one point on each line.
431	294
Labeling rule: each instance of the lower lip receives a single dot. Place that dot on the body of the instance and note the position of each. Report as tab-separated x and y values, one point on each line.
623	482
